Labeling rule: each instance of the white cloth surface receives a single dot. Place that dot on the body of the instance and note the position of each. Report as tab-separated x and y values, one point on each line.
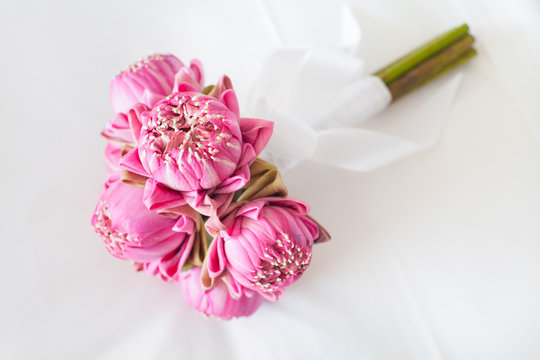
433	257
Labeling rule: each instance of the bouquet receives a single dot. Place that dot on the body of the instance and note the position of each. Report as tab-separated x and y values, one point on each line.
188	201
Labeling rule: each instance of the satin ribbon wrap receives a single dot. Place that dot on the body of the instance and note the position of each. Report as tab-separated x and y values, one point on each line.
325	107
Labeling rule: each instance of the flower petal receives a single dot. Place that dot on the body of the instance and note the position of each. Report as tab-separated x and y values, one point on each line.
134	119
132	162
256	132
215	258
159	197
228	98
198	71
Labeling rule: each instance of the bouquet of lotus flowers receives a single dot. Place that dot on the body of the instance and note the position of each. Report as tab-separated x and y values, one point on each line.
187	199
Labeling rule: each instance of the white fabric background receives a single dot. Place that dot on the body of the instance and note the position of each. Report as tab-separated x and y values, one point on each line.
433	257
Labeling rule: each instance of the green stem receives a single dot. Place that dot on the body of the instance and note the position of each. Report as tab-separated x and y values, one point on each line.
402	65
403	85
430	67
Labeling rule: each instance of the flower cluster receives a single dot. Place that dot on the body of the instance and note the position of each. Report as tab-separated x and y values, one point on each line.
187	199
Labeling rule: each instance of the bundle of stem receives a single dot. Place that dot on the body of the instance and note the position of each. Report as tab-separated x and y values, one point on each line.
427	62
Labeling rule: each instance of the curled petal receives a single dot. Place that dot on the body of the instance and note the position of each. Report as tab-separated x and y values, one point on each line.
118	131
236	290
132	162
296	207
134	119
159	197
256	132
222	85
186	76
170	266
228	98
198	71
216	258
216	301
214	263
234	182
321	234
185	225
208	204
223	221
252	210
151	252
248	155
184	87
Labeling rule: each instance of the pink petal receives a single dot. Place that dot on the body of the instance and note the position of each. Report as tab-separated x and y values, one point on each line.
236	290
159	197
149	97
216	258
117	130
198	71
132	162
134	119
228	98
248	155
252	210
184	87
216	301
256	132
222	85
234	182
185	77
184	224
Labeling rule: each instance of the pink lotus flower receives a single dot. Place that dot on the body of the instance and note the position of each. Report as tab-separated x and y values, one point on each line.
151	79
197	145
132	232
216	301
190	142
265	246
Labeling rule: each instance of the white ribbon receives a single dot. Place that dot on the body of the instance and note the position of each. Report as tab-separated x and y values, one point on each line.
324	105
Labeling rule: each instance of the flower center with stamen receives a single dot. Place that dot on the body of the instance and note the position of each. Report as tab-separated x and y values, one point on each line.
187	126
144	62
191	136
115	241
280	262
